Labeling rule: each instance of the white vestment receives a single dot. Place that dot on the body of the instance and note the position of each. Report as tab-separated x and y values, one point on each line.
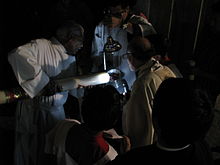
34	64
137	112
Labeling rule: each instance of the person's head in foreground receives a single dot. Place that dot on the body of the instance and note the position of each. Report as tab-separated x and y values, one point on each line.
181	113
101	108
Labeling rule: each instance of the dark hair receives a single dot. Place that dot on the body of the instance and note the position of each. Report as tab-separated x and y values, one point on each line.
101	107
141	48
181	113
67	30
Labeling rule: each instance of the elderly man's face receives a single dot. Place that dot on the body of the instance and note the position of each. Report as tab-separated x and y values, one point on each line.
74	44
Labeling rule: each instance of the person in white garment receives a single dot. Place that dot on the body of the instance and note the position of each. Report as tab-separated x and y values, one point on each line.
36	64
137	112
121	24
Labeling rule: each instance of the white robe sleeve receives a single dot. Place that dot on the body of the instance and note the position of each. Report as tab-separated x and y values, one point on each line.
29	74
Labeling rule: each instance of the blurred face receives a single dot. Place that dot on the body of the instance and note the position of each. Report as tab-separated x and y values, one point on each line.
118	12
74	45
116	16
130	60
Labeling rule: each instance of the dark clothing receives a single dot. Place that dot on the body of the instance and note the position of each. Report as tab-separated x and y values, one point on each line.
71	143
196	154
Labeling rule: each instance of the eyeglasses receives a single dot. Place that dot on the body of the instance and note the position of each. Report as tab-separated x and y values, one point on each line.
127	55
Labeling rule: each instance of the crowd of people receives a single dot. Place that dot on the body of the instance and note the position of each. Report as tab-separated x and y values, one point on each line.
181	116
159	116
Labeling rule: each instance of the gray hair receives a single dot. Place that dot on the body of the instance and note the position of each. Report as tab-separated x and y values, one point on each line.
68	30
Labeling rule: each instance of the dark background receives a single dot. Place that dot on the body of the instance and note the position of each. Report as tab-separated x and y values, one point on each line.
190	26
